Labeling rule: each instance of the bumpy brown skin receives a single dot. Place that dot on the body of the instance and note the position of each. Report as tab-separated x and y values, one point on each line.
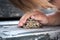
31	23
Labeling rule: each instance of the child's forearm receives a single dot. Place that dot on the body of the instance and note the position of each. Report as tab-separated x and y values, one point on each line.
54	19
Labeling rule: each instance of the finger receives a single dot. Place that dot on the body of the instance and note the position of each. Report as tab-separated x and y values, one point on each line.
41	18
24	18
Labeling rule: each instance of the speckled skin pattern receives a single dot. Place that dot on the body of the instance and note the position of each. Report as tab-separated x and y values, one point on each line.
31	23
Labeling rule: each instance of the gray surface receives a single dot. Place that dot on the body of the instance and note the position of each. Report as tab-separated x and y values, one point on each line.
12	32
15	33
7	9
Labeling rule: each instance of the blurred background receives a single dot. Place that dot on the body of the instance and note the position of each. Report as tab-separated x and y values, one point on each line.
8	10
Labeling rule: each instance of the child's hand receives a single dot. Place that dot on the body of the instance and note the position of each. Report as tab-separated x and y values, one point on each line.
34	15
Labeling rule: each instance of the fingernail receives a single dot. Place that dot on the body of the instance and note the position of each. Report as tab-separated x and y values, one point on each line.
20	24
32	17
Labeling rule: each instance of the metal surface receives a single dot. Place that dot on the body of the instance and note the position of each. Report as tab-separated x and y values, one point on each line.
9	22
12	32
